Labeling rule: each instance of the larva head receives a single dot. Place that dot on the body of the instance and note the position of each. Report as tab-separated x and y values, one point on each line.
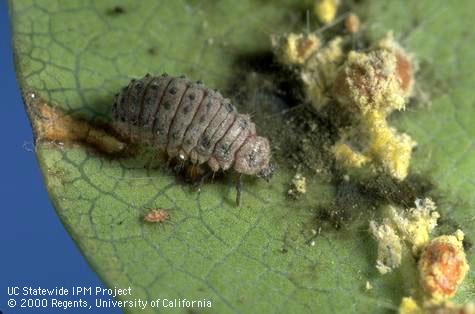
253	158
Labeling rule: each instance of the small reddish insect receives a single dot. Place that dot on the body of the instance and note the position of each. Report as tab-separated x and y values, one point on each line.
156	216
190	121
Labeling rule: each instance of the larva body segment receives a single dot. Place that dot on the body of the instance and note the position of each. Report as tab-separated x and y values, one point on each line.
206	112
226	148
247	129
215	131
190	103
153	96
192	122
167	110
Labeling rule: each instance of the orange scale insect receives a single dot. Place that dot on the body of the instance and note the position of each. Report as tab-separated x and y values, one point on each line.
443	266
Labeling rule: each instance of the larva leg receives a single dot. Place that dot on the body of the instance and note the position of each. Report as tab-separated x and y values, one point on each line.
200	182
180	165
238	190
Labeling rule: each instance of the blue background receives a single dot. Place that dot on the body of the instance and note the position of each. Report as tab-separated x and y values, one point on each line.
35	248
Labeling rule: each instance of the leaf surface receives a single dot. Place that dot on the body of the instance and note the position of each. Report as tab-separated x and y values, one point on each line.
75	55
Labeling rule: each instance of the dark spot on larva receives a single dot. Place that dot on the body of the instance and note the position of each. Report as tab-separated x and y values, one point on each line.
164	74
251	158
229	107
224	147
175	135
148	100
205	141
208	105
199	82
243	124
186	109
122	119
182	76
115	11
167	105
173	90
154	86
202	118
188	142
191	96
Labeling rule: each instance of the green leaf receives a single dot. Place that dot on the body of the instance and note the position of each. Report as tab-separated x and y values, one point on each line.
75	55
